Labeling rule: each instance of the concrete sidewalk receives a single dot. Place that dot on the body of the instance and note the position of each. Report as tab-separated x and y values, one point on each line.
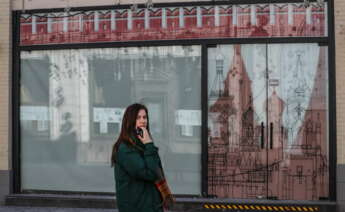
51	209
55	209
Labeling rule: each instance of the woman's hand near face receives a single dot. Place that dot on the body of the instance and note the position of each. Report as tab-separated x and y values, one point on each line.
146	136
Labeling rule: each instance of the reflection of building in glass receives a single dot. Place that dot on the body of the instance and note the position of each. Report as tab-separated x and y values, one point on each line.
249	161
167	81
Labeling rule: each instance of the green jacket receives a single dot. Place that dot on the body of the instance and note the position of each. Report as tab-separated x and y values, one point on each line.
135	173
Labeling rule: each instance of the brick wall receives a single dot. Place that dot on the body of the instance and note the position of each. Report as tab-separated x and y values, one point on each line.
340	77
5	67
339	15
5	55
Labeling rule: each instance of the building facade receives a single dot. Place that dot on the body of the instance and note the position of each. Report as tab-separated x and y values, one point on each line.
244	97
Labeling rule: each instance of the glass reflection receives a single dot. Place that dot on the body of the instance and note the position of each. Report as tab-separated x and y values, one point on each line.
68	130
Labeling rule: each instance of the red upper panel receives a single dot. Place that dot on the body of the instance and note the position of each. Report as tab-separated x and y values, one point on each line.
222	21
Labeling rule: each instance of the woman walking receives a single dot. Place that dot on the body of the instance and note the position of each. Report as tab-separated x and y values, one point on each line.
139	177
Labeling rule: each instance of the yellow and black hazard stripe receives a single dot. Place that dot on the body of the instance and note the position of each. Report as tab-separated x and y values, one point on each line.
245	207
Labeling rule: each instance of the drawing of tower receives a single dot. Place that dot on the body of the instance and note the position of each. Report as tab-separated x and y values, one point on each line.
314	131
308	157
238	85
219	115
233	152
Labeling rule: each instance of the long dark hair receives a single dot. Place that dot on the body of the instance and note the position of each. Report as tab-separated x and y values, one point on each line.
127	128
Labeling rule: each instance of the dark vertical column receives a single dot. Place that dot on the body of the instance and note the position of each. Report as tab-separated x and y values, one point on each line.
15	184
204	124
332	104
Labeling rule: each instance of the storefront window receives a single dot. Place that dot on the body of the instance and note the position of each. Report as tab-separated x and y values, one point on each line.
268	122
72	103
